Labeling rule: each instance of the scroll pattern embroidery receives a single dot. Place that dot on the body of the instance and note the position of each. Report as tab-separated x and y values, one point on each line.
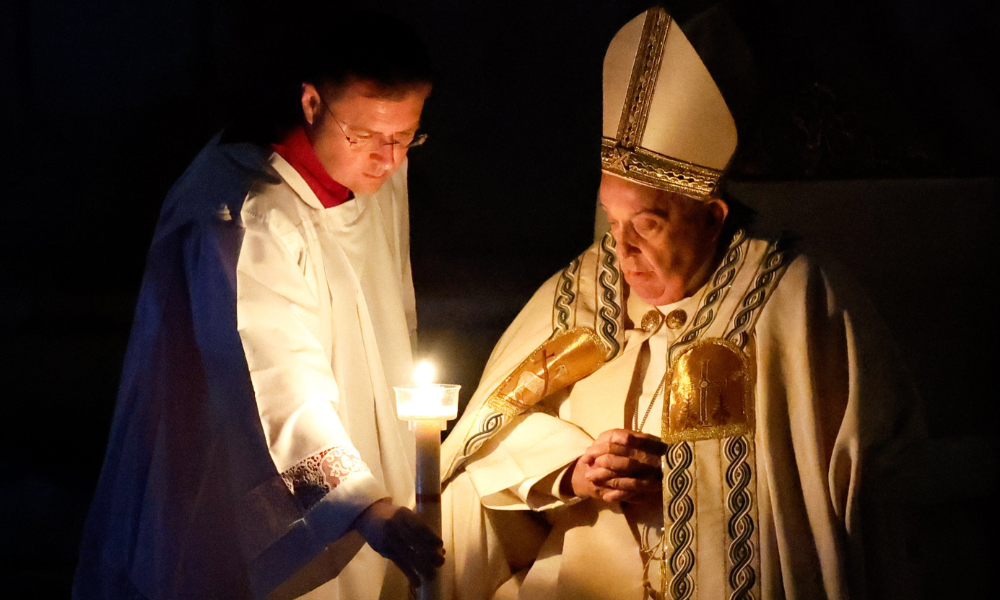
721	281
680	508
680	527
775	261
741	526
742	577
316	476
489	426
565	296
610	308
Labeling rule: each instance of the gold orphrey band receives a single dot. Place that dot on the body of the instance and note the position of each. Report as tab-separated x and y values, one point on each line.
645	69
623	156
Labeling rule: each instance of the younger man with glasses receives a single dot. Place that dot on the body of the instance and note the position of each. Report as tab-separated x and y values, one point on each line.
255	446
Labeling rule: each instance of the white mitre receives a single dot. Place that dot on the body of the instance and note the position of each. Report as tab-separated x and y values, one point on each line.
666	124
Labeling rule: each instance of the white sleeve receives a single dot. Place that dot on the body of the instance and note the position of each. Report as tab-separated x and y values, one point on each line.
515	469
293	380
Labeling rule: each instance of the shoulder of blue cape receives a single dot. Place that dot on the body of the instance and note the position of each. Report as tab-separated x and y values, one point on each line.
214	185
185	382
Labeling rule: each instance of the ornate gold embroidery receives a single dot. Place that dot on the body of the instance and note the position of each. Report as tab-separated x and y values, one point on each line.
711	393
658	170
561	361
623	155
642	82
555	364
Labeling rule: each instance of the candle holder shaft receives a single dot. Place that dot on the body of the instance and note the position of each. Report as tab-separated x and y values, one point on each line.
428	434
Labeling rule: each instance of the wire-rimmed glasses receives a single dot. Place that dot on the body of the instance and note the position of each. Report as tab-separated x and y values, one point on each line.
374	142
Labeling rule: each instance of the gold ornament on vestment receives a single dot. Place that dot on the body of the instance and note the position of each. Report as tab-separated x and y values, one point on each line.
560	361
710	393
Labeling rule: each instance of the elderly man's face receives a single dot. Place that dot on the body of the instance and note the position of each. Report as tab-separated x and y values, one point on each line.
357	114
666	241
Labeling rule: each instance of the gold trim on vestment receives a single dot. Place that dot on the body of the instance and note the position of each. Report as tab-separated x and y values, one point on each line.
561	361
710	393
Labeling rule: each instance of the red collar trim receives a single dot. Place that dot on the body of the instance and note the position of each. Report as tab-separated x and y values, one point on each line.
298	151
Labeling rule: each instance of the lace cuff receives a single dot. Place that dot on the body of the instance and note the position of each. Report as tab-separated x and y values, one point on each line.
316	476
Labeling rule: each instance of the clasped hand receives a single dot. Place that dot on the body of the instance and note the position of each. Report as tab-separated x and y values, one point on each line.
397	533
620	466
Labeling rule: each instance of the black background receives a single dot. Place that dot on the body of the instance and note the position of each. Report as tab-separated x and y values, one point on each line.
104	102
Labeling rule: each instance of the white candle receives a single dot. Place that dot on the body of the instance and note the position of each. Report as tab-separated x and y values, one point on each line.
426	400
428	407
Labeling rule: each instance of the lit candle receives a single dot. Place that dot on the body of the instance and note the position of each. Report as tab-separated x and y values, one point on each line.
428	407
425	399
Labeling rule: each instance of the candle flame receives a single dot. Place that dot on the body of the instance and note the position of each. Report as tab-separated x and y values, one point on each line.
424	373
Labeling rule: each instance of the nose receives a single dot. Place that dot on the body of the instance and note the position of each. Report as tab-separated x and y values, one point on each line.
625	241
384	154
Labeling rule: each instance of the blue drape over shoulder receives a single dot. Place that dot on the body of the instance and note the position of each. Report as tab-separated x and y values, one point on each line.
189	504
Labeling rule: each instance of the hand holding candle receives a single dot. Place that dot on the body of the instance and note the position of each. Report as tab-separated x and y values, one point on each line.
428	407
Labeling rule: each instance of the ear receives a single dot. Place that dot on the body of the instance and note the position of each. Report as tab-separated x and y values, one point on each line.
311	102
718	210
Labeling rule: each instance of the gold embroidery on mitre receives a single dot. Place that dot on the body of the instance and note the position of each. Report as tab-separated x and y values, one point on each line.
642	83
658	171
711	393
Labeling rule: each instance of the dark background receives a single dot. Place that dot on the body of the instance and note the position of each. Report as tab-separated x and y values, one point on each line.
875	134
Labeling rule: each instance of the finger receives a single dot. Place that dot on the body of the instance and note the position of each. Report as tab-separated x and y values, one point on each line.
647	443
628	484
599	475
422	562
625	464
418	538
408	524
638	441
633	497
404	566
595	450
426	556
426	563
418	533
606	435
603	448
613	495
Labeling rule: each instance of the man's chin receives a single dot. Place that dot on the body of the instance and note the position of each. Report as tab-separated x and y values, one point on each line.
367	184
652	292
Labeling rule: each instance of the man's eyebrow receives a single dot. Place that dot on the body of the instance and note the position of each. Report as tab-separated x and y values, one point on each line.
658	212
371	131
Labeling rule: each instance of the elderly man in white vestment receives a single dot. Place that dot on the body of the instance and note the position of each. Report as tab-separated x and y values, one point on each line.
255	447
688	410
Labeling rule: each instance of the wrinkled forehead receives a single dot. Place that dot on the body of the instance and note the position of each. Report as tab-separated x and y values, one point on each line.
623	196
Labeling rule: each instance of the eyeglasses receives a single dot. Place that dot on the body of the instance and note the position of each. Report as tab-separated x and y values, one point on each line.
374	142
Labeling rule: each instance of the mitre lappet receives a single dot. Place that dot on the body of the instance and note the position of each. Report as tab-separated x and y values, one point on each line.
666	124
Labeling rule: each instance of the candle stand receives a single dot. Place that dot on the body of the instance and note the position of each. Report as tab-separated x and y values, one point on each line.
428	407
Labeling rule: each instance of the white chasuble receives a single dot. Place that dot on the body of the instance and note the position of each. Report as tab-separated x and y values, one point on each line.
759	383
326	314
